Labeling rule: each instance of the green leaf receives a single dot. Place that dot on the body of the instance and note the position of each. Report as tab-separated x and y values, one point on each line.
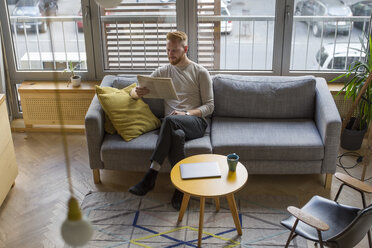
355	77
336	78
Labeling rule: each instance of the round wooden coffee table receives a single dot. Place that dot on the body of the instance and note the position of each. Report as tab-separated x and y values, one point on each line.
226	185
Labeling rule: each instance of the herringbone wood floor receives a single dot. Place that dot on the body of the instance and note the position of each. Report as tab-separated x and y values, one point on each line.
32	213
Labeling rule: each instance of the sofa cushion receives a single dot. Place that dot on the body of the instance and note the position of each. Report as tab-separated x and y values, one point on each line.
109	127
120	155
130	117
135	154
156	105
264	96
267	139
122	81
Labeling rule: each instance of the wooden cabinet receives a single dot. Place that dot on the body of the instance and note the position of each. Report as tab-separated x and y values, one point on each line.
40	100
8	165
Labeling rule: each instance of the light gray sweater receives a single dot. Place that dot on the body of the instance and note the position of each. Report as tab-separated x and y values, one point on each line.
193	87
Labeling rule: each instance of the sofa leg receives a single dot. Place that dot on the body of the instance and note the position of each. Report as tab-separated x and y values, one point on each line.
328	181
96	176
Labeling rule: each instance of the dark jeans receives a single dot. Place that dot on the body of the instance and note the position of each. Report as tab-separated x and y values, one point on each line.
174	131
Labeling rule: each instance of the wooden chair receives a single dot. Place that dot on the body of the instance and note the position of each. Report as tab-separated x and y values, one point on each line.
330	223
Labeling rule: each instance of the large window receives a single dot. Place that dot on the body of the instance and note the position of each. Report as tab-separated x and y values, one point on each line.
46	34
328	34
270	37
236	35
243	36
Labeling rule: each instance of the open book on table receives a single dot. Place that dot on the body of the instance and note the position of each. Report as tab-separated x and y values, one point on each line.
159	87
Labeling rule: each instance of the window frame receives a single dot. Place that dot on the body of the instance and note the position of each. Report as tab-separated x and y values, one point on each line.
186	19
19	76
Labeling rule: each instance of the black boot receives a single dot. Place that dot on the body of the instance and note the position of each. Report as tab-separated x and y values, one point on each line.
146	184
177	199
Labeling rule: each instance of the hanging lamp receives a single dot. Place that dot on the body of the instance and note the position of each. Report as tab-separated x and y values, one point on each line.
76	230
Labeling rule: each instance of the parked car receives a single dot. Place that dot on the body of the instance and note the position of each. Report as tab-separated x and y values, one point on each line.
324	8
362	8
334	58
34	8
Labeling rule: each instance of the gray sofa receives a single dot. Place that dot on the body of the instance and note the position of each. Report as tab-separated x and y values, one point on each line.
277	125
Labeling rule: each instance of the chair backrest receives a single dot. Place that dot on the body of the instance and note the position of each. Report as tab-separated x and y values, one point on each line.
355	231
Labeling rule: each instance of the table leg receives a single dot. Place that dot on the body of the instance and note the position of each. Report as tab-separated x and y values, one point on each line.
232	204
201	220
217	201
185	201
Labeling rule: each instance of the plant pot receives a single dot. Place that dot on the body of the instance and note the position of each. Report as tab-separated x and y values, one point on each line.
75	80
352	139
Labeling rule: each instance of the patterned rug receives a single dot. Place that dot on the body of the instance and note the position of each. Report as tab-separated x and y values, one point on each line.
123	220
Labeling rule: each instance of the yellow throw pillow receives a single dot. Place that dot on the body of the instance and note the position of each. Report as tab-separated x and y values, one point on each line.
109	128
130	117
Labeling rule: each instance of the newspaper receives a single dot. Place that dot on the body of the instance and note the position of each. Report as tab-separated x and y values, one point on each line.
159	87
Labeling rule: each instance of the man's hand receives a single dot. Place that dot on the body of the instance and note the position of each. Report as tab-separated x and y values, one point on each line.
194	112
139	92
175	112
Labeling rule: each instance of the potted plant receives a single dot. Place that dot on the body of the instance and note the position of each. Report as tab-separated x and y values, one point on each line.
75	79
356	76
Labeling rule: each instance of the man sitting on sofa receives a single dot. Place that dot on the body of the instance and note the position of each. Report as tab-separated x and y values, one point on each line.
185	118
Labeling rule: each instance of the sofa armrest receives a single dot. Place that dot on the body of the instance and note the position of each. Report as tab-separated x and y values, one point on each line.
95	132
95	127
328	122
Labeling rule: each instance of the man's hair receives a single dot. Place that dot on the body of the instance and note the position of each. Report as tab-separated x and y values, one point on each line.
178	36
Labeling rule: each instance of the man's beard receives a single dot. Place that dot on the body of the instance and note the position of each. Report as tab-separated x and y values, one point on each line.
175	62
